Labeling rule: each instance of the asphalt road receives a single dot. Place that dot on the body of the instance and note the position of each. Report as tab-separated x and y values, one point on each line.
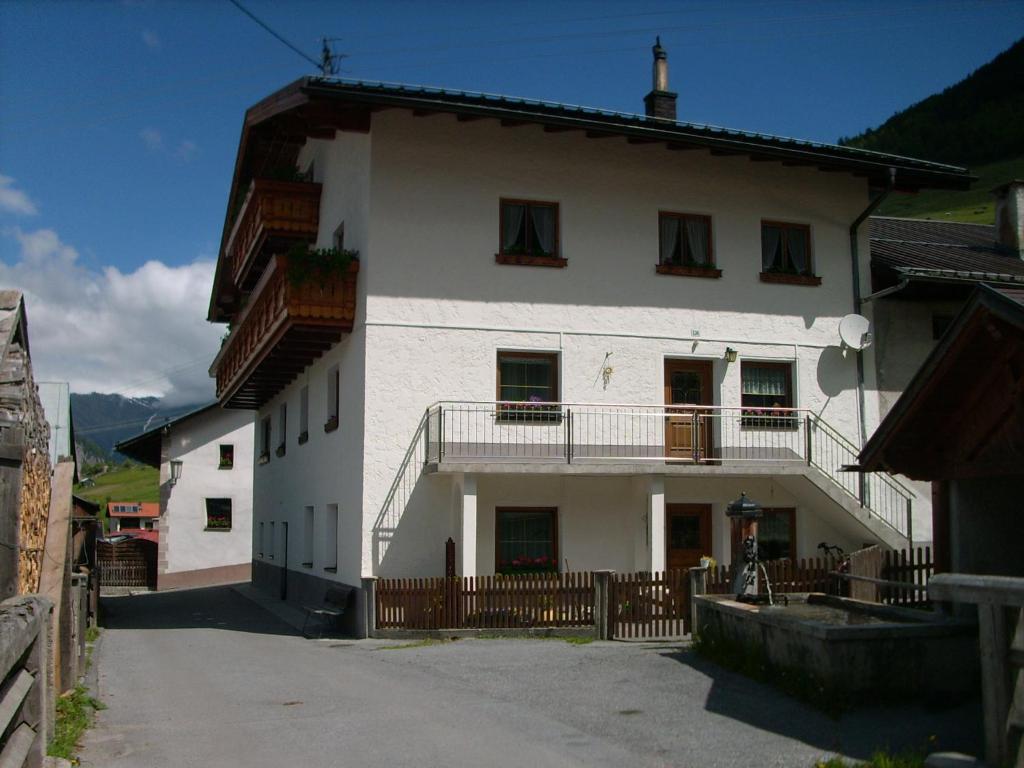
208	678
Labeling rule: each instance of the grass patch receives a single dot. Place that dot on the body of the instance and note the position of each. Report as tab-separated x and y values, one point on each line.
75	712
92	634
975	205
878	760
577	640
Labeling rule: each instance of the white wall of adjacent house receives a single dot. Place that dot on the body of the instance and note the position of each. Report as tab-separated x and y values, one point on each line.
188	540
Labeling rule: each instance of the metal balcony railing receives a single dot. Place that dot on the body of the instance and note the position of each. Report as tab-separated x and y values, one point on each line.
581	433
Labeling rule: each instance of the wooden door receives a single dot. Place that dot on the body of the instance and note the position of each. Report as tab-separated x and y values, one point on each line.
688	430
687	534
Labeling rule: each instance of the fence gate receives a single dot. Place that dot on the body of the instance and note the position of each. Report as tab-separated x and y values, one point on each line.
649	605
129	563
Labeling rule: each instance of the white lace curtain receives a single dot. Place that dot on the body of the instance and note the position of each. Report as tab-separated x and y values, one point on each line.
771	242
764	381
697	237
543	218
668	227
512	224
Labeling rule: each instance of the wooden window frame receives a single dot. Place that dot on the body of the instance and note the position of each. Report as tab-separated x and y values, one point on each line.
303	415
231	514
789	278
791	513
553	511
688	270
544	416
781	418
226	458
529	260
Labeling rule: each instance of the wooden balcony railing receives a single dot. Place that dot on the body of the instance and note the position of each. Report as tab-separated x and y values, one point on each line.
284	328
274	215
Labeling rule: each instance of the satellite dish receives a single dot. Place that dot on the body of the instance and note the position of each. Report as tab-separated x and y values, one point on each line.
855	332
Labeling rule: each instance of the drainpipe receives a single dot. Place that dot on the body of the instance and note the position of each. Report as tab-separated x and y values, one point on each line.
857	301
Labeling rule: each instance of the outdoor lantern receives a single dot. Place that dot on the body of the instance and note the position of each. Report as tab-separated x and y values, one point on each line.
730	355
744	509
175	471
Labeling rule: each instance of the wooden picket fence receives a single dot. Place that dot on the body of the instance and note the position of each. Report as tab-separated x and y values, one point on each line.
911	567
486	602
127	564
650	605
810	574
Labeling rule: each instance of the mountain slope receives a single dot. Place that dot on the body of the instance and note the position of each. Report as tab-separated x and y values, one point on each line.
103	420
977	121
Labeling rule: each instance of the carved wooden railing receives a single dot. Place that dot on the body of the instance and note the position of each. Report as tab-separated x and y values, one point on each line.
271	209
276	304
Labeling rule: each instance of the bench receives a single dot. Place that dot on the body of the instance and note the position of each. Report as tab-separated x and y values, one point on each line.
333	607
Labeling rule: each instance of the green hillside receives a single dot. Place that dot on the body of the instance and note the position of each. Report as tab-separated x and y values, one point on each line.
977	123
133	483
976	206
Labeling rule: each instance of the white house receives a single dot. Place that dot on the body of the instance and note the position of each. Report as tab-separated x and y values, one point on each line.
205	527
570	338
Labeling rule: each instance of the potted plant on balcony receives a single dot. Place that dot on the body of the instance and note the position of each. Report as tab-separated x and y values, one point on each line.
307	264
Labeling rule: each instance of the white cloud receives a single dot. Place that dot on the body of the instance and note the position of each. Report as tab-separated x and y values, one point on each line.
138	333
13	200
152	138
186	150
151	40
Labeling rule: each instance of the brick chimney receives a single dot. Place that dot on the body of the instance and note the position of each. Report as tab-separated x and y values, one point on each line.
660	102
1010	216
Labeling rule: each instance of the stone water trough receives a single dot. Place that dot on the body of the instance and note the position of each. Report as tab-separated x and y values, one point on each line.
864	650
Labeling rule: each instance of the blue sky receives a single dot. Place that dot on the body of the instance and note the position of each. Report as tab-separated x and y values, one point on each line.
119	120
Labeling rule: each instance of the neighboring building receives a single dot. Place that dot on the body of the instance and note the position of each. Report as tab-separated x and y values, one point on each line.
524	269
56	399
205	510
24	456
139	518
960	426
923	272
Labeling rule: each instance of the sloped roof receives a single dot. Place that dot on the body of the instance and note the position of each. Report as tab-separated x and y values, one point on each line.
145	447
921	248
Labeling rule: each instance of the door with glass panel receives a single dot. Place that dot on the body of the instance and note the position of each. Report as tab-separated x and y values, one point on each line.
687	534
688	429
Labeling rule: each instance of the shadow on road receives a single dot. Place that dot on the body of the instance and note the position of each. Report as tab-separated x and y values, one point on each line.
858	733
208	607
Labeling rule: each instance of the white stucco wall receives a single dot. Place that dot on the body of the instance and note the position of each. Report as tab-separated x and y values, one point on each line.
195	442
419	198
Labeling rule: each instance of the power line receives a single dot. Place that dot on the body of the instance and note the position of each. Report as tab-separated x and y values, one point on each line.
265	26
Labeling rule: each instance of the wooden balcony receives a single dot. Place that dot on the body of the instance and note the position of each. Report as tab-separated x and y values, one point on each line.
274	216
282	330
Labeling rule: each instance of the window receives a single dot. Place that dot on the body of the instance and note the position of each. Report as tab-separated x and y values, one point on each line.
303	415
307	537
331	538
218	514
227	457
526	540
264	456
273	542
259	542
529	234
529	378
684	245
339	237
282	428
776	534
767	388
333	386
129	522
786	254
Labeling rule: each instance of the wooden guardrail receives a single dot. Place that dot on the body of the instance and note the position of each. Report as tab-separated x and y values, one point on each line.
26	691
1000	601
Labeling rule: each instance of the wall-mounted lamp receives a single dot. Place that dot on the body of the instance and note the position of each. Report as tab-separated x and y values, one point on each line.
730	355
175	471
